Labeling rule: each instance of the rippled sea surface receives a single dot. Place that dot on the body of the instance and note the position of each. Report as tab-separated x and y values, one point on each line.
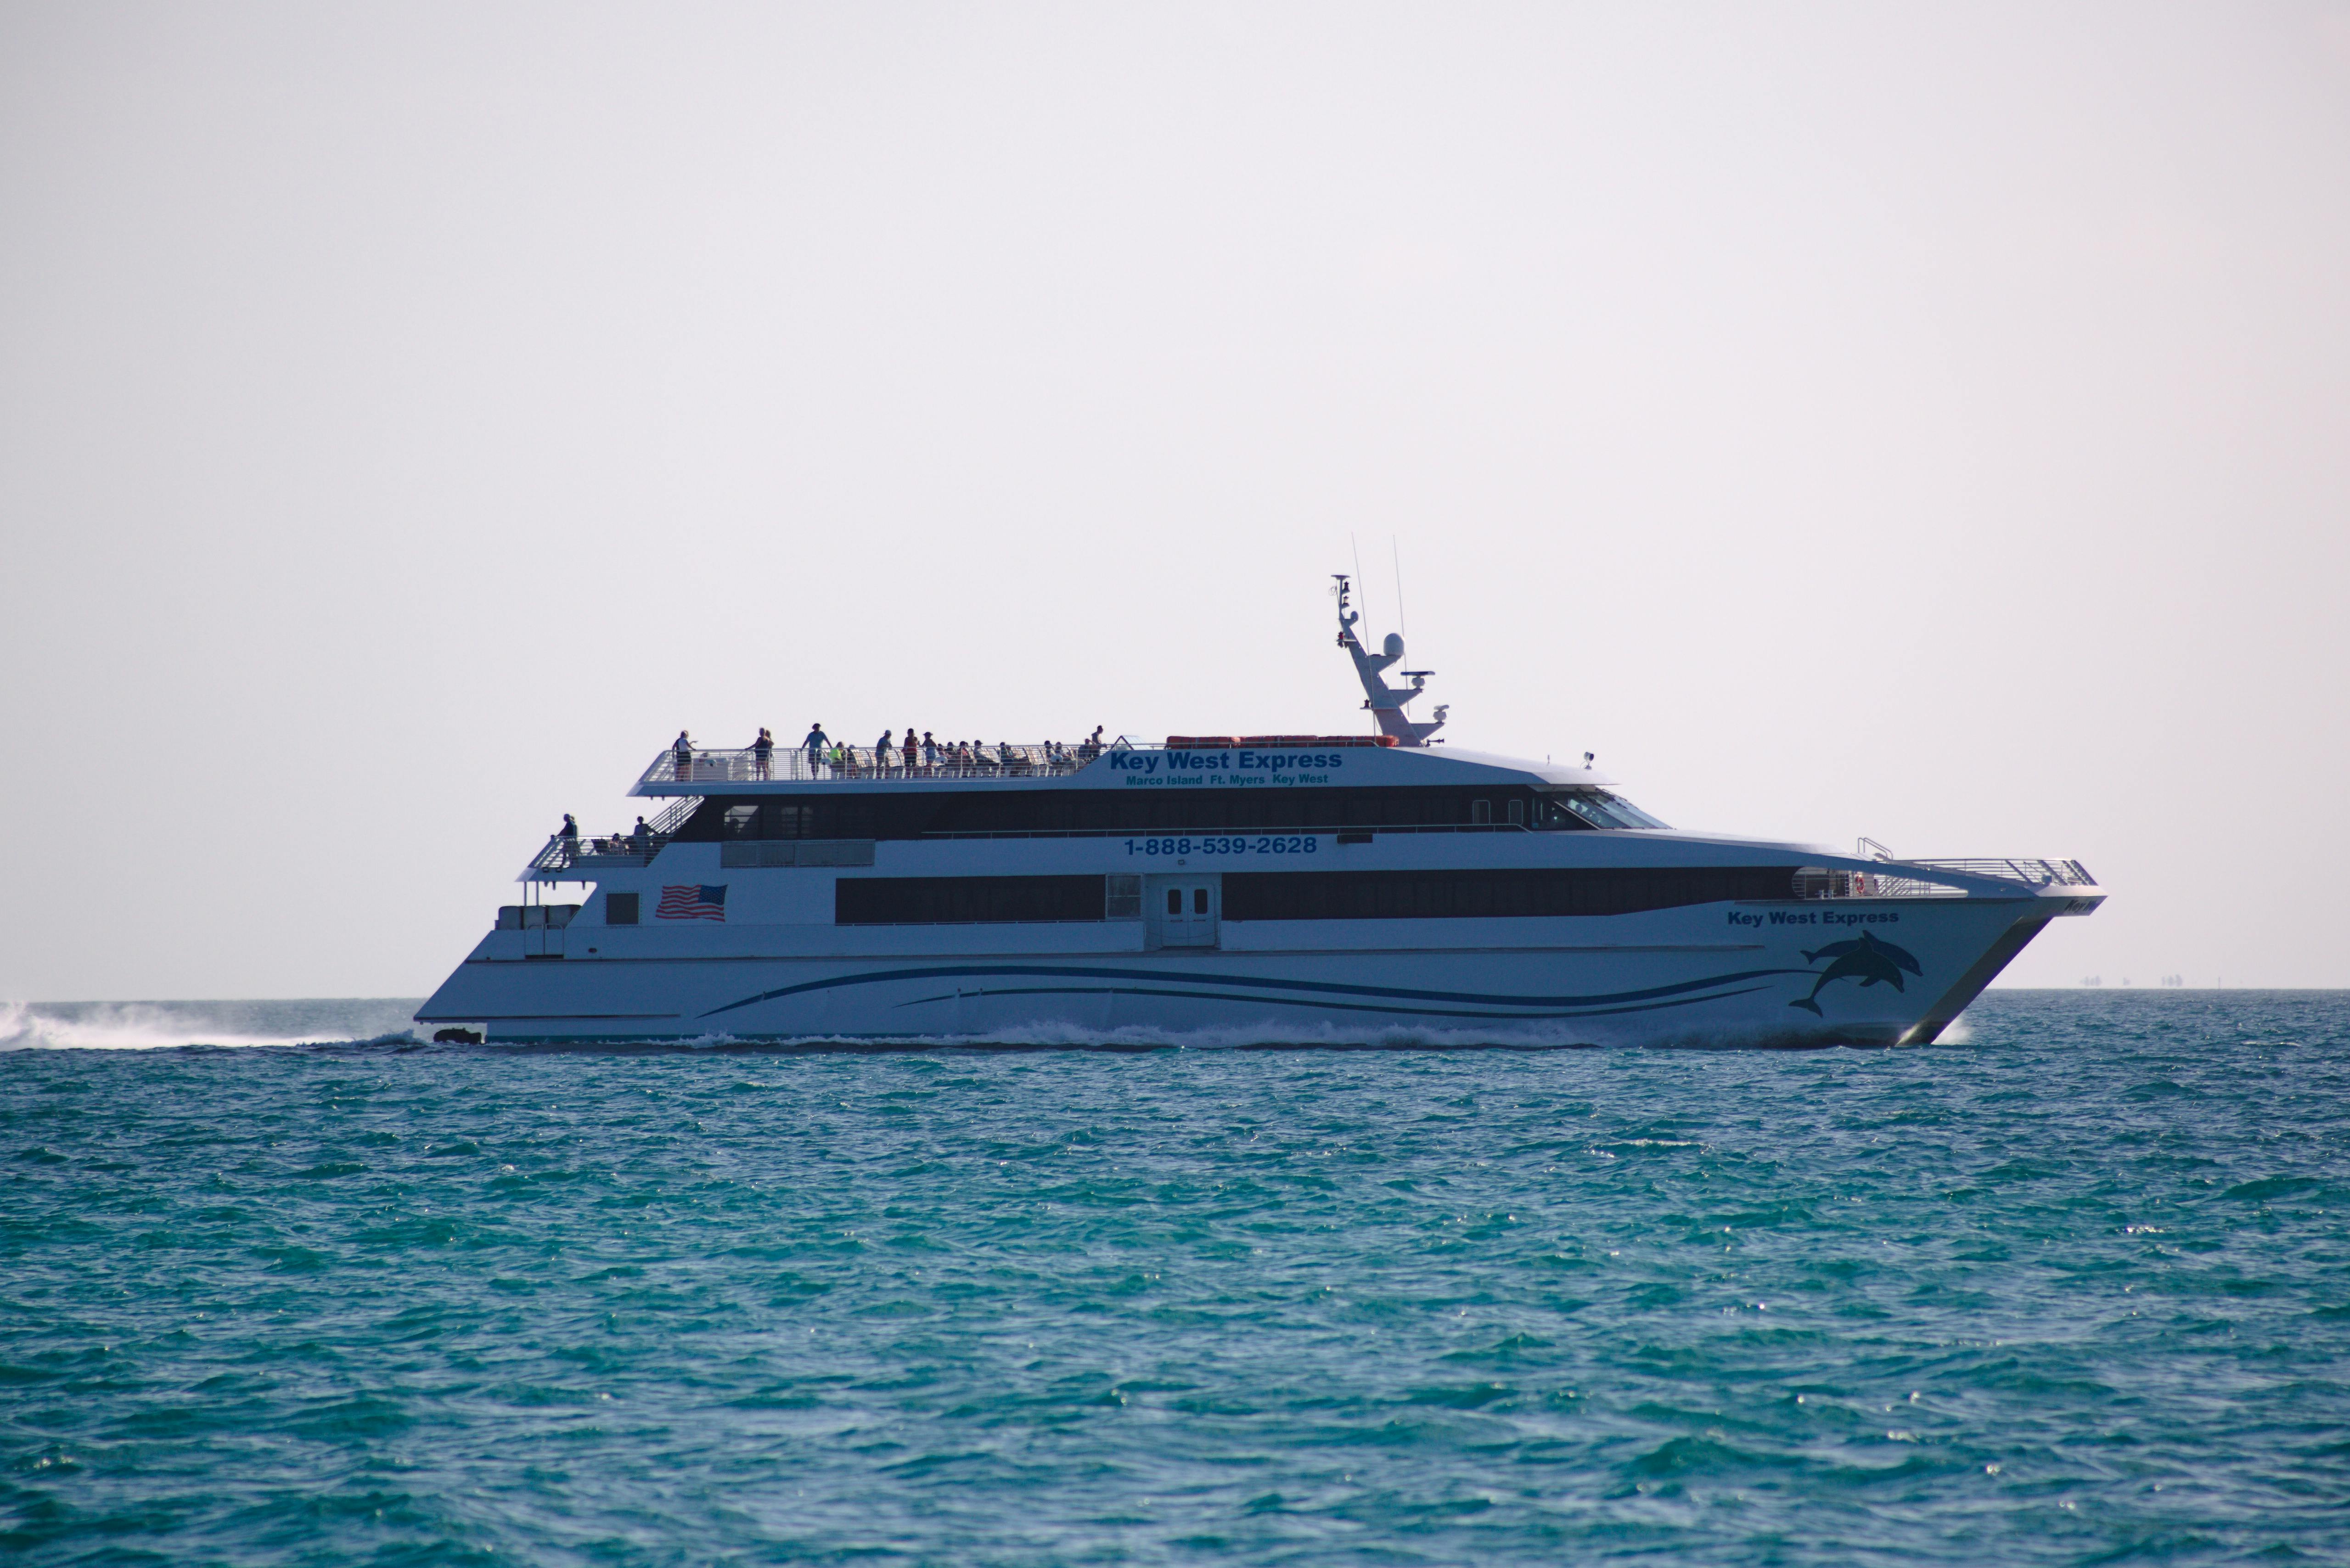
2076	1289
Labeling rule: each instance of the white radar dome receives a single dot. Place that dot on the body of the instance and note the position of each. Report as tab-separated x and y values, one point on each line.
1393	646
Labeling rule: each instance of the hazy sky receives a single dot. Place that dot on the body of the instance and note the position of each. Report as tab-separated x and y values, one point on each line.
1925	422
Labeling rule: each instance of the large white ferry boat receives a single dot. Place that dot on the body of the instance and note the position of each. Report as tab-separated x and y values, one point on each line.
1224	890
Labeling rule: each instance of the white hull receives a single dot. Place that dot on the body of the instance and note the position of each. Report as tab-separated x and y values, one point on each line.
1677	976
1223	890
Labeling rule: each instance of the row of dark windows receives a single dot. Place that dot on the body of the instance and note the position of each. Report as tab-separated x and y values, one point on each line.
910	815
964	900
1439	895
1318	895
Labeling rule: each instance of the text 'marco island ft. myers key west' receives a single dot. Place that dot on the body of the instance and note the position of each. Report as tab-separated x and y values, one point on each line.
1224	889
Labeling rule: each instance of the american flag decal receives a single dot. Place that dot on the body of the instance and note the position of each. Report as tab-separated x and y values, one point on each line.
691	904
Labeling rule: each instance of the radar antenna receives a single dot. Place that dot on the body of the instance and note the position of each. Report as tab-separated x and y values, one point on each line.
1385	701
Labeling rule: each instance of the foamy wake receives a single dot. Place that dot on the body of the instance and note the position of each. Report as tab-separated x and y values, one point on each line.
146	1026
131	1026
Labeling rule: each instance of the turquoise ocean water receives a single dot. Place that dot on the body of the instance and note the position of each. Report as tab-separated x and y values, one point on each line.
2074	1287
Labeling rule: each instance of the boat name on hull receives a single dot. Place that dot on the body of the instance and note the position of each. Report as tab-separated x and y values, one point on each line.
1816	917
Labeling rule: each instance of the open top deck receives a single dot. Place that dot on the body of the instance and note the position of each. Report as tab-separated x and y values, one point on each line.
1210	761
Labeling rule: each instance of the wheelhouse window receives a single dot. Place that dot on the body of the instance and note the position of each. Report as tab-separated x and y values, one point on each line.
1592	808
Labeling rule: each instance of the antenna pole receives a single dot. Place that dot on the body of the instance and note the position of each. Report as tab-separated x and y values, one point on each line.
1359	583
1396	552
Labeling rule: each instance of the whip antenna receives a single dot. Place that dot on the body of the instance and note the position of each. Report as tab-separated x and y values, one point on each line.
1396	554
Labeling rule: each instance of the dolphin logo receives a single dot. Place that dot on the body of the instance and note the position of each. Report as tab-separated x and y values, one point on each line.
1864	958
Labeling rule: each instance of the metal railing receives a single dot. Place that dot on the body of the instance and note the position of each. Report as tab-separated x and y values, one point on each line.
1897	878
1824	882
866	764
597	852
564	853
2032	873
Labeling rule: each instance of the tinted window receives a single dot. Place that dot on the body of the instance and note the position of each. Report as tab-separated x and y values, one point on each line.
964	900
1593	808
913	814
1440	895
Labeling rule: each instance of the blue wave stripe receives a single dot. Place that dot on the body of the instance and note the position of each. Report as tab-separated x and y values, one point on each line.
1333	988
1388	1008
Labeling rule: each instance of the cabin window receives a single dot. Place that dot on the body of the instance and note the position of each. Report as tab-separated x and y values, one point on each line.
621	909
1174	901
965	900
1122	898
920	814
1440	895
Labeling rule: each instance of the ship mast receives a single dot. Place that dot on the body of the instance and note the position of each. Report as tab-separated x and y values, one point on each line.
1385	701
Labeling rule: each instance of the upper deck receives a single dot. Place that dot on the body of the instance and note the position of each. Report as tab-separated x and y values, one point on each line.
1235	762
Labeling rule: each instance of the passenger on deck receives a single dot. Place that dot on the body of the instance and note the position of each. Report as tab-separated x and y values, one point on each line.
763	752
929	752
640	837
570	832
881	750
910	750
682	752
1092	747
814	746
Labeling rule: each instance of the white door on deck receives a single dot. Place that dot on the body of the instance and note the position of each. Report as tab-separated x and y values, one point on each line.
542	929
1187	917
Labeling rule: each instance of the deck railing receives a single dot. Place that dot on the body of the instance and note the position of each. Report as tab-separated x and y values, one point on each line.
1839	882
1897	878
564	853
606	851
863	762
2033	873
